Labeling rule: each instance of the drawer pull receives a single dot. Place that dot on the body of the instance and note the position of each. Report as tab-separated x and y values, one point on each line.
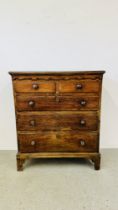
35	86
79	86
31	103
82	142
82	122
83	102
33	143
32	123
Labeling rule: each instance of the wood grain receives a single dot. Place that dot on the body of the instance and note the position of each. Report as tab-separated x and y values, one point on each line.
58	115
57	121
58	142
87	86
51	103
27	86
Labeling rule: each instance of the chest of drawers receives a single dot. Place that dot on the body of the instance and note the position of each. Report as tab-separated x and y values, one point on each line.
57	115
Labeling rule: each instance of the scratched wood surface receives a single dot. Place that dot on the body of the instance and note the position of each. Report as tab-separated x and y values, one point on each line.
57	114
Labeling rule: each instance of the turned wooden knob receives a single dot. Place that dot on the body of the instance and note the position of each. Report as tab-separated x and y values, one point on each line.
83	102
82	142
31	103
32	123
82	122
79	86
33	142
35	86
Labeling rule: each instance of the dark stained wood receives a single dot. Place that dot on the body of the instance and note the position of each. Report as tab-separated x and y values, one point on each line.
96	161
20	162
35	76
94	156
63	141
57	121
51	103
70	73
58	114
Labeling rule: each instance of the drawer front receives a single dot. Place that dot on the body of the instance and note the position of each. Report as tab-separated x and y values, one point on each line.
37	103
57	121
30	86
64	141
79	86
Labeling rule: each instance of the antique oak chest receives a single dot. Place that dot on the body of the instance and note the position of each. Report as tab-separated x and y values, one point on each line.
58	115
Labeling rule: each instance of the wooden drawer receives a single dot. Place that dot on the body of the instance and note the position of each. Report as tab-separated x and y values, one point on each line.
57	121
92	86
43	86
57	114
40	86
51	103
64	141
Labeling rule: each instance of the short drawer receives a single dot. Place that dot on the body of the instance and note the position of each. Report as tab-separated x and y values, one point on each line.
51	103
40	86
64	141
57	121
92	86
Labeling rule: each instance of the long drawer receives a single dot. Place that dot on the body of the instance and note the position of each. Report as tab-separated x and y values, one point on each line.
57	121
64	141
51	103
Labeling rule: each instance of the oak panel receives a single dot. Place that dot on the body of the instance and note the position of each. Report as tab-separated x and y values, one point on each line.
57	114
79	86
63	141
25	86
49	103
57	121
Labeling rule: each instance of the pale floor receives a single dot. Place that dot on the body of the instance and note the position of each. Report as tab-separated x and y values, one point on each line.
59	184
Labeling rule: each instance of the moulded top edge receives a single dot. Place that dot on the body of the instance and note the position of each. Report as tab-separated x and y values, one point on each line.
55	72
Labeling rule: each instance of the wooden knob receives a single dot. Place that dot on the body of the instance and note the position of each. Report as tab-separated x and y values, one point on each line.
82	122
83	102
35	86
32	123
31	103
82	142
33	142
79	86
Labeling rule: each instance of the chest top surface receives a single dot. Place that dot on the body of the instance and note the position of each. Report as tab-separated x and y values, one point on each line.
55	72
